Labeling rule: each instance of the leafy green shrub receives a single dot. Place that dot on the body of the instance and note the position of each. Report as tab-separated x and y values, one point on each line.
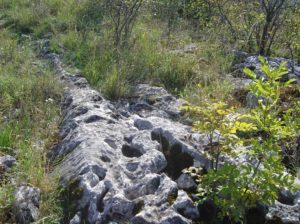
235	187
219	123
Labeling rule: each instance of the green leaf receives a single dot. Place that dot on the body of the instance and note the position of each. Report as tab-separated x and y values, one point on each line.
250	73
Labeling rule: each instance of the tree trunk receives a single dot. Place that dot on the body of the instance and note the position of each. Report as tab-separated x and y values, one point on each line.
264	38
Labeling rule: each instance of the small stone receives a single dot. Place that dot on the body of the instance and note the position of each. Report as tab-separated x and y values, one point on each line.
26	204
76	219
49	100
7	161
185	206
286	214
142	124
185	182
286	197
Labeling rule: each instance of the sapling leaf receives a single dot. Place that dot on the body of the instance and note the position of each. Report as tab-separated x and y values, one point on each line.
250	73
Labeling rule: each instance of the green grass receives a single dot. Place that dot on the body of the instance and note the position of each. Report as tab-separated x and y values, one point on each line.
6	140
148	59
28	123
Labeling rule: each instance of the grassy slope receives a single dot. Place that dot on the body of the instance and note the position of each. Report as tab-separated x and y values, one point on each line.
83	34
29	114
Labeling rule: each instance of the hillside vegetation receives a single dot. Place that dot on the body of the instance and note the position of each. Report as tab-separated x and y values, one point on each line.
29	96
188	47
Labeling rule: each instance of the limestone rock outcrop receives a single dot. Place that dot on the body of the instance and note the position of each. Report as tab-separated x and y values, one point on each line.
122	161
119	161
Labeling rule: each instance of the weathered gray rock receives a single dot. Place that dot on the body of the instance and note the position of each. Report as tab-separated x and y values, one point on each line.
6	162
185	182
122	161
287	209
240	81
185	206
297	198
142	124
76	219
26	204
253	63
119	161
239	57
152	101
286	214
287	197
240	88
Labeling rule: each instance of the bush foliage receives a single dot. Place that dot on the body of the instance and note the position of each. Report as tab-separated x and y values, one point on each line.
251	171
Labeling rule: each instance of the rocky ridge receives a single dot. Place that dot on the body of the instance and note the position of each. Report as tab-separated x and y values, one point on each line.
120	161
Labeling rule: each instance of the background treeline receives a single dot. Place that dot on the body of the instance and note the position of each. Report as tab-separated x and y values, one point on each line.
120	43
254	26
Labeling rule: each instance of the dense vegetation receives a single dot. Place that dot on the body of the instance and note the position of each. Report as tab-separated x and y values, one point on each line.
117	44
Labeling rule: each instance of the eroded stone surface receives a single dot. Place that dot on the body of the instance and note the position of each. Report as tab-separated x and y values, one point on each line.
26	204
6	162
122	162
185	182
286	214
121	159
